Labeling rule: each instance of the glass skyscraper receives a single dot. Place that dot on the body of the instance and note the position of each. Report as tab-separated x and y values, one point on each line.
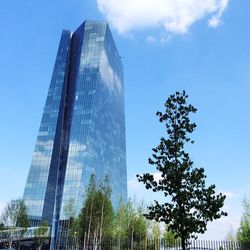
82	131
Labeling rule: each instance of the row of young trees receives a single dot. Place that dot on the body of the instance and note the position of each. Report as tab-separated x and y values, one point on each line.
243	233
98	222
14	224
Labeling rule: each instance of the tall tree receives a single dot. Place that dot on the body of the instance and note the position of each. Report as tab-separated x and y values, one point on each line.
189	204
243	233
15	219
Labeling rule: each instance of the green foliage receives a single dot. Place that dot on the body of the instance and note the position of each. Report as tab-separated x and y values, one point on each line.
42	229
154	235
156	231
22	220
170	238
243	233
69	209
189	204
137	224
130	225
14	216
2	226
140	224
96	217
121	222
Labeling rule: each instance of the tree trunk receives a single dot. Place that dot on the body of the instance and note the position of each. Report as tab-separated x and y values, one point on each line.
100	238
119	243
183	243
132	238
84	241
95	240
90	219
10	244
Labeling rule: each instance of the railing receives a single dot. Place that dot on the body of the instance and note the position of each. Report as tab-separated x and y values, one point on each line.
115	244
26	233
155	245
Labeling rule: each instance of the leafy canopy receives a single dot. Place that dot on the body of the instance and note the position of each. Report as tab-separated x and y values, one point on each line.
243	233
96	217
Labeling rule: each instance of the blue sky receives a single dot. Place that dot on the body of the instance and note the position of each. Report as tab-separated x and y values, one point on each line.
166	45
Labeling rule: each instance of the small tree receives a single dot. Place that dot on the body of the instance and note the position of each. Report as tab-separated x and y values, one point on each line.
15	219
170	238
107	216
140	225
156	233
69	210
189	204
130	226
22	221
136	225
86	214
41	236
243	233
96	217
121	223
131	217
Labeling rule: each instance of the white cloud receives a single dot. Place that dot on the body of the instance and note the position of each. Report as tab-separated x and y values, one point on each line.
108	75
151	39
174	16
214	21
228	194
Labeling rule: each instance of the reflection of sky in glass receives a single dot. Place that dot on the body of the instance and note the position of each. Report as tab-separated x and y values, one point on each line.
97	136
108	75
36	185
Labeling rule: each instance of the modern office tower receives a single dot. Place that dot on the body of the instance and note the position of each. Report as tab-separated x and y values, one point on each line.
82	131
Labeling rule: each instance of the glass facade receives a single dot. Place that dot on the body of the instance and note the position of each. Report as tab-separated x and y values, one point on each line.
82	130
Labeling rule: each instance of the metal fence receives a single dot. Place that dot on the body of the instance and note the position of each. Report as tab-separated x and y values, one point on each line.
155	245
